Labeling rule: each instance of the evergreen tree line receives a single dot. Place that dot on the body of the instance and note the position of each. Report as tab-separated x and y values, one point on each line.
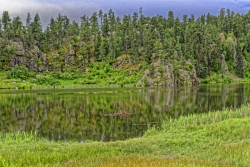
105	37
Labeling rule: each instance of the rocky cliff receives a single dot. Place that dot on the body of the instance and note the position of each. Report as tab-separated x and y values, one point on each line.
37	61
31	57
164	74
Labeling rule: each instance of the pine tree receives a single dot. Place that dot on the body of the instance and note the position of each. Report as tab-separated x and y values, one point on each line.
94	26
18	28
211	43
85	29
36	27
222	21
28	19
104	49
100	14
105	26
6	19
170	19
239	62
7	26
73	29
59	29
28	36
158	50
238	25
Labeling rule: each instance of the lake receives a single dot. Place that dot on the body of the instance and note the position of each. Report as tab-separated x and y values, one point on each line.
91	113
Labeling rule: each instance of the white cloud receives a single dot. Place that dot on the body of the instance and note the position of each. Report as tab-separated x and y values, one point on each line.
243	3
19	7
74	9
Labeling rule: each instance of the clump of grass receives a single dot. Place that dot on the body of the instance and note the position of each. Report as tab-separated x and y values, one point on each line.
206	118
138	161
18	137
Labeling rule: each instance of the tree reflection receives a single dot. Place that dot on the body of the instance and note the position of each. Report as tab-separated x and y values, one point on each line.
79	115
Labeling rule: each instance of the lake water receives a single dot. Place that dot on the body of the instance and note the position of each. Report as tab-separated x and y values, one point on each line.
86	114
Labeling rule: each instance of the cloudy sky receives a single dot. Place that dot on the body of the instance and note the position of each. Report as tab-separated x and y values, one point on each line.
74	9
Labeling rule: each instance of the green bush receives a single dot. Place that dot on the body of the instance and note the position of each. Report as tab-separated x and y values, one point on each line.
230	65
188	67
107	68
160	69
216	79
39	62
66	75
19	72
231	34
201	70
45	80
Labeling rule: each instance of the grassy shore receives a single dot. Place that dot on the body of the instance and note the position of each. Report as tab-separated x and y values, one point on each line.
97	77
98	73
219	138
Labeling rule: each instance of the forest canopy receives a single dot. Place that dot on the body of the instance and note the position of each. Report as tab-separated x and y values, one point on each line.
205	41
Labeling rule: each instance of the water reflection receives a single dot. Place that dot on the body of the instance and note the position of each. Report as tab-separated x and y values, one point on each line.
79	114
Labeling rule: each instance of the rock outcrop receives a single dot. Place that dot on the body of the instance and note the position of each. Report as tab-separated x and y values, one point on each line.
19	57
224	66
27	56
187	76
19	48
71	55
34	54
159	74
34	59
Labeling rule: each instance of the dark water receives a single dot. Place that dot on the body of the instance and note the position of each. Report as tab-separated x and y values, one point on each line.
78	114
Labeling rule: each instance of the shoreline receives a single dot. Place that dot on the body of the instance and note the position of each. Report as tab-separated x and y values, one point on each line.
220	138
19	85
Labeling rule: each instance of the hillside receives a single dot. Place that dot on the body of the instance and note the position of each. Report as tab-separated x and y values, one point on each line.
135	49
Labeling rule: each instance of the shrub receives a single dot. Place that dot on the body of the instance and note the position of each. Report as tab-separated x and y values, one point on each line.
188	67
216	79
44	80
160	69
39	62
19	72
107	68
201	70
66	75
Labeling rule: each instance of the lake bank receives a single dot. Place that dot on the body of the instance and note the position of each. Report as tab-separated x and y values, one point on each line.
23	79
219	138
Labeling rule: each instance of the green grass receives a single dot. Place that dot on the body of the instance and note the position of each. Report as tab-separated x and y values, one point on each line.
219	138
